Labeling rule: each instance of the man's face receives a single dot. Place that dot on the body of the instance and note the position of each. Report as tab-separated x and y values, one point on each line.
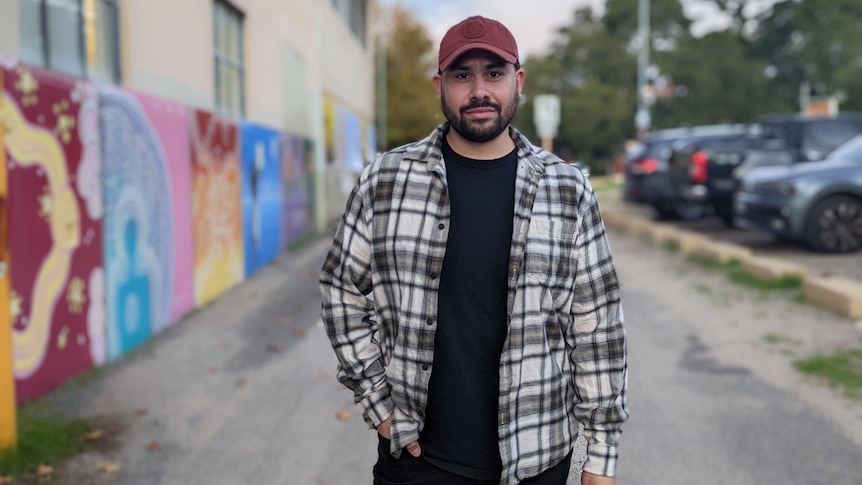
479	94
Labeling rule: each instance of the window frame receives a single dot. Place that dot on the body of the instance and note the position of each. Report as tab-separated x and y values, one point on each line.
220	58
85	71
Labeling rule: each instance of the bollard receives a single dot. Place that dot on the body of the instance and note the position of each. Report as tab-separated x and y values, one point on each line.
8	426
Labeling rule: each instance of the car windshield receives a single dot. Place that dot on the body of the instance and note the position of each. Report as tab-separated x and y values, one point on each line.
852	149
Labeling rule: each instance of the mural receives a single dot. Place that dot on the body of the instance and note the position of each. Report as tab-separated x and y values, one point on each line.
294	221
329	131
170	121
216	210
55	207
7	379
261	196
142	230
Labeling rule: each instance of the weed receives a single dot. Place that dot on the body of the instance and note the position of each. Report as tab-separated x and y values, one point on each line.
843	369
42	440
785	283
703	289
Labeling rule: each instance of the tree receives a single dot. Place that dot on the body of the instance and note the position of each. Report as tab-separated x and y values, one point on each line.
412	107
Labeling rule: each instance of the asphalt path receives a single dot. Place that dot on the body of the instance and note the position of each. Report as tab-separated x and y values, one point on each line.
244	391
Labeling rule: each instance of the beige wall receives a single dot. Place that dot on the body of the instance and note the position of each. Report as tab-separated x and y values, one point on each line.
9	34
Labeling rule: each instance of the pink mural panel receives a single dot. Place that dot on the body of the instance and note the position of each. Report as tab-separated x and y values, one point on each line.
170	121
55	239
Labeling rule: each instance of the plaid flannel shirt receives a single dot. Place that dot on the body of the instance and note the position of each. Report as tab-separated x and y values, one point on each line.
564	357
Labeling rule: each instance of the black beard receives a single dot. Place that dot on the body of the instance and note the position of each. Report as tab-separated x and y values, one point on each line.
490	129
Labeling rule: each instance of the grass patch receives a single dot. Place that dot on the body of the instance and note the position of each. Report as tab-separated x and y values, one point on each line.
785	283
800	299
776	339
42	440
703	289
713	265
842	369
670	247
302	241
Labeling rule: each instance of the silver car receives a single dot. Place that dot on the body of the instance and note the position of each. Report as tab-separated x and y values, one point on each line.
819	203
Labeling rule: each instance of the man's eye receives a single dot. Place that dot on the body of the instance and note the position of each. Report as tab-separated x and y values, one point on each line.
495	74
461	75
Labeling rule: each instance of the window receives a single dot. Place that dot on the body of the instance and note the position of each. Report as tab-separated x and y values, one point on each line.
354	13
77	37
229	65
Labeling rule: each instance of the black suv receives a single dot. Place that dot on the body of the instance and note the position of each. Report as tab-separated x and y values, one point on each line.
652	178
783	139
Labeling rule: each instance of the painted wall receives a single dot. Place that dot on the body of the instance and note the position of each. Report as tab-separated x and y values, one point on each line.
147	238
295	217
261	195
216	205
55	213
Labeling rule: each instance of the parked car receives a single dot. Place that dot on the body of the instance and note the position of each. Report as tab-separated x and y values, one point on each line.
783	139
651	178
817	203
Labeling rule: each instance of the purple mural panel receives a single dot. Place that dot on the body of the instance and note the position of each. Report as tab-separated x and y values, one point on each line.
295	198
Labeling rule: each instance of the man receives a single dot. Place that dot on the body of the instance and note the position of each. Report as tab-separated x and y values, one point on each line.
470	295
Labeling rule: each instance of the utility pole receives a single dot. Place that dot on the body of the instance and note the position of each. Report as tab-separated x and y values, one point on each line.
642	118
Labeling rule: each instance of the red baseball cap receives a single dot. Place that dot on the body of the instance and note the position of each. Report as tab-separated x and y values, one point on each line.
477	33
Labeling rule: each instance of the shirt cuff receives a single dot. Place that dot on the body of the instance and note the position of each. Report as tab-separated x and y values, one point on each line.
377	407
601	457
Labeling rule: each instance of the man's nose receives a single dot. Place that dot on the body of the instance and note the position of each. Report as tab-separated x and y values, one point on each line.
479	88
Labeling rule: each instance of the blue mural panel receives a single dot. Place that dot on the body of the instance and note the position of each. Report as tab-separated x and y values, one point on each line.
138	223
261	195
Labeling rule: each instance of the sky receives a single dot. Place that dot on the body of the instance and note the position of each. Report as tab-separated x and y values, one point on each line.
532	22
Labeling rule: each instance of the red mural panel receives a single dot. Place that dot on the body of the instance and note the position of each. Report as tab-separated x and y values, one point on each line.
55	211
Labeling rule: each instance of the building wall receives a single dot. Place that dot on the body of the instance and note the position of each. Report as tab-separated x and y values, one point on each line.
252	185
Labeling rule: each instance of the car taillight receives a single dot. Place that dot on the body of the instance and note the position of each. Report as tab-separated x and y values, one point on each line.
646	166
698	167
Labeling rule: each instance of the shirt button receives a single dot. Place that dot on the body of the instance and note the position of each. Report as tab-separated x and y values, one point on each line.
424	366
433	276
441	226
430	321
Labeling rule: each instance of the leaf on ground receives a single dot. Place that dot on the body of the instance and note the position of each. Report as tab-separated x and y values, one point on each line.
140	412
343	415
109	467
323	376
236	363
6	480
286	321
225	346
154	446
275	346
213	370
44	470
322	481
94	435
299	332
307	274
241	381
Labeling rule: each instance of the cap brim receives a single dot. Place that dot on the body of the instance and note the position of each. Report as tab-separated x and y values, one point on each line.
448	60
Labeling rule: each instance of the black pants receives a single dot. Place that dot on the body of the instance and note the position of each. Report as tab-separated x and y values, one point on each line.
409	470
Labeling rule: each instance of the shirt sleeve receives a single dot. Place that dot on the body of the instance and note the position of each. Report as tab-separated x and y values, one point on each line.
599	356
348	311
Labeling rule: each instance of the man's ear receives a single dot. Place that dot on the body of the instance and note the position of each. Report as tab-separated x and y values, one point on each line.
438	84
520	75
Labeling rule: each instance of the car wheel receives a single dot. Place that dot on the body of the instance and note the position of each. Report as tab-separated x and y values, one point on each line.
725	212
835	225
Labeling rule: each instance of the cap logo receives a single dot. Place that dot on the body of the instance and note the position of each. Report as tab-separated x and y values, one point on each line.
474	30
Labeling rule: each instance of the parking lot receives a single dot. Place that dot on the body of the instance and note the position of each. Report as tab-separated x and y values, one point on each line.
846	265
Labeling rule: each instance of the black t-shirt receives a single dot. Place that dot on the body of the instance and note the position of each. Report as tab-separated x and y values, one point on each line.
460	433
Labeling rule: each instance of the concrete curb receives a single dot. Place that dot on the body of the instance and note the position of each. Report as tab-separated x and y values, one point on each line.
840	295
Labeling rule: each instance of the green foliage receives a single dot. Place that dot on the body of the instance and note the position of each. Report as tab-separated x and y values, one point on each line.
842	369
755	66
42	440
784	283
412	108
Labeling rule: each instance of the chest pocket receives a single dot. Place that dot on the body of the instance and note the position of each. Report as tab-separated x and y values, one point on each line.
549	250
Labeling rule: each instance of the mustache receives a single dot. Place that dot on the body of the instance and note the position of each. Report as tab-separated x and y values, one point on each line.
480	104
